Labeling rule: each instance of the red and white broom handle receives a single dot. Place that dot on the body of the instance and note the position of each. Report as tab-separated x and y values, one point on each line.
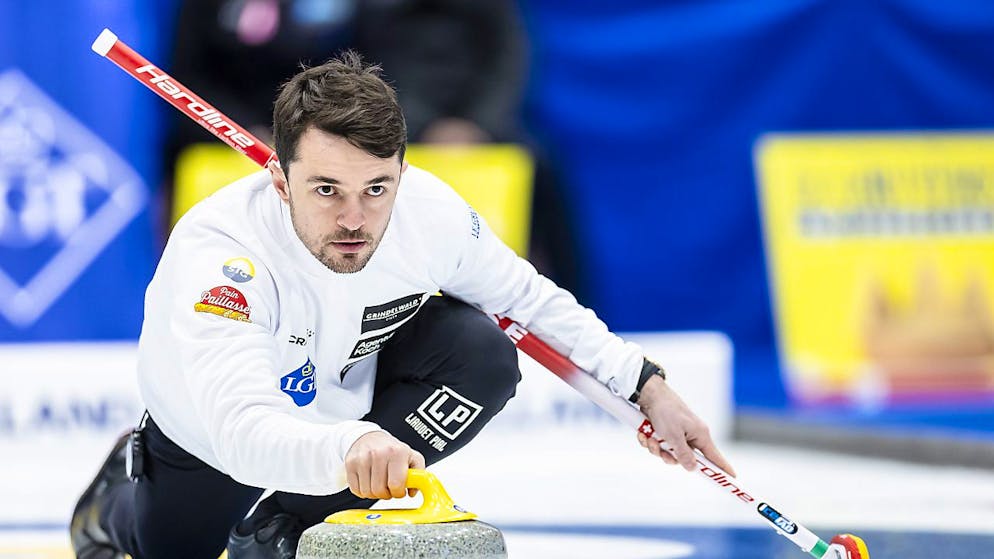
621	409
177	95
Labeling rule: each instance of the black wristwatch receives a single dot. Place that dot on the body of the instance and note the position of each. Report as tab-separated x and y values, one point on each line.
649	369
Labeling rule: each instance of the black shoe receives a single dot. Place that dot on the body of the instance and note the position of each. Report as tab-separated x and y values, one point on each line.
89	540
274	537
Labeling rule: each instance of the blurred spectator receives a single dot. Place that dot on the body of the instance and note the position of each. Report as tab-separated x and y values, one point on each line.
458	66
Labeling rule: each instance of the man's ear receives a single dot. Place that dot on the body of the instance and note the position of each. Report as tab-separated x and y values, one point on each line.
280	182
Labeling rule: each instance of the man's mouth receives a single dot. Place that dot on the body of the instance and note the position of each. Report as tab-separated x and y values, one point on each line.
348	247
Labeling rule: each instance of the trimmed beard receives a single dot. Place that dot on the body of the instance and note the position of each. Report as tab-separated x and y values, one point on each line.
326	253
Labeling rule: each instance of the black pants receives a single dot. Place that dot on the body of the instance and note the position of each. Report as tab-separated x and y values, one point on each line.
450	360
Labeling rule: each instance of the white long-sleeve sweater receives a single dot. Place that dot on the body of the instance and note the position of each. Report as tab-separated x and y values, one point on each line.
246	333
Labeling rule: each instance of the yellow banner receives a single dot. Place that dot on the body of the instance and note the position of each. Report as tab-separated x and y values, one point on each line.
496	179
881	260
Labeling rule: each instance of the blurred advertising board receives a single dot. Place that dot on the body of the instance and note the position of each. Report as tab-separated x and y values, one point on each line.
62	406
880	251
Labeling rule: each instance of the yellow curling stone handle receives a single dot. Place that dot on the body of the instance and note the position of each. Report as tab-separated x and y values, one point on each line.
437	506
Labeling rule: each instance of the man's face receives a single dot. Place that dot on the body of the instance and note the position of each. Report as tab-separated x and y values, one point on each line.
340	198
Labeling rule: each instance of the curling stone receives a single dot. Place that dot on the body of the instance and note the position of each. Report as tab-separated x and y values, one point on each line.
438	529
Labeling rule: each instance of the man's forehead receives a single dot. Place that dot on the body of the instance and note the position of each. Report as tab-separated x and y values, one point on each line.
335	166
323	179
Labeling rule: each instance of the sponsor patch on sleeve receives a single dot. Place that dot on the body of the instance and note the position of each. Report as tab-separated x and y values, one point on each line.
238	270
299	384
225	301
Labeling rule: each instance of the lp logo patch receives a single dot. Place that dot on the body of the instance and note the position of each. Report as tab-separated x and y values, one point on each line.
299	384
449	412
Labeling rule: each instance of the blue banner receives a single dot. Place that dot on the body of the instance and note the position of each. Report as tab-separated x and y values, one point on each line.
78	171
652	110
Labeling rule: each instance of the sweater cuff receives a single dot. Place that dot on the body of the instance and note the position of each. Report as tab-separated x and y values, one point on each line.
352	435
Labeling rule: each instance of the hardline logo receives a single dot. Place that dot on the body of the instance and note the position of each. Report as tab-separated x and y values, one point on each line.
208	114
723	481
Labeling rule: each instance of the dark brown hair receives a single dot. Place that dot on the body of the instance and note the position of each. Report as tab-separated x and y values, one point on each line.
346	97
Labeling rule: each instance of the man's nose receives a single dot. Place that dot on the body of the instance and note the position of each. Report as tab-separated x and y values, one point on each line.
351	216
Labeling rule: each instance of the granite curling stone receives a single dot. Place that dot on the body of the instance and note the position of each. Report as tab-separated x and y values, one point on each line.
468	539
438	529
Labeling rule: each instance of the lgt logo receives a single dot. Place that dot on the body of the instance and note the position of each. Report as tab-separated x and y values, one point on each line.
299	384
449	412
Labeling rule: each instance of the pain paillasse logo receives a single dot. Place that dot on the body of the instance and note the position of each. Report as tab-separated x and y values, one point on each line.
224	301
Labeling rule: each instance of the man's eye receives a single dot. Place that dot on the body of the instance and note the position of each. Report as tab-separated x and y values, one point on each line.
326	190
376	190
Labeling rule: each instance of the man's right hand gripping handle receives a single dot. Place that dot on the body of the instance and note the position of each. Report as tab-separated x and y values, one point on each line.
376	466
